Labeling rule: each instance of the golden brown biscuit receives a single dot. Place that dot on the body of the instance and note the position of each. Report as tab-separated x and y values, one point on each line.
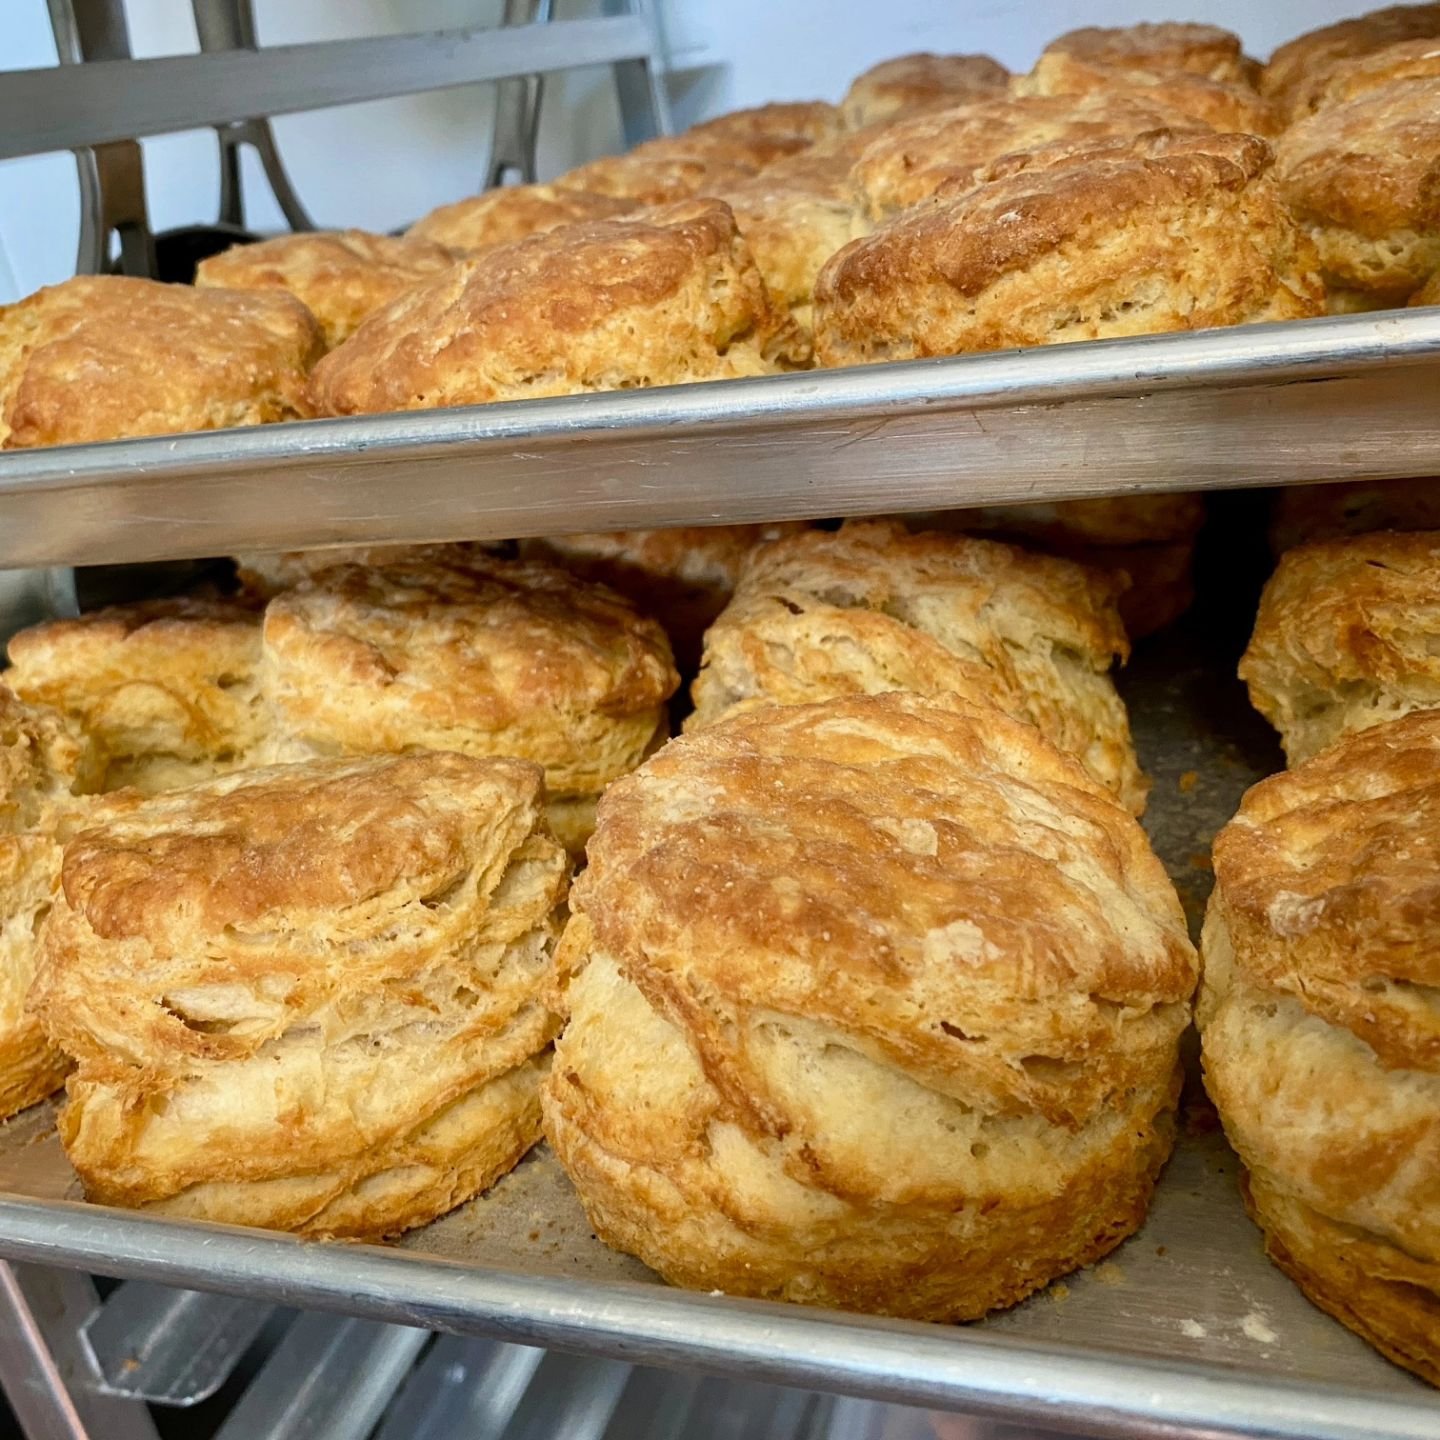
670	297
1363	177
1346	638
1204	50
339	275
307	997
912	84
489	657
907	163
810	120
1320	1033
44	765
1220	104
679	167
875	1004
503	217
264	575
1165	232
682	577
1429	293
872	608
1349	79
150	359
166	689
1302	513
1301	68
1148	538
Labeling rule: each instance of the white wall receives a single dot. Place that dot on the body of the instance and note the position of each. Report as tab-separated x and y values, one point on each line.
379	165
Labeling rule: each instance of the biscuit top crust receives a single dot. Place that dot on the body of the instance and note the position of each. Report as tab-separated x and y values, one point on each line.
675	168
341	275
667	297
916	873
1032	203
514	213
1329	882
149	359
1303	65
1349	79
1195	49
479	646
711	555
1371	164
910	84
44	761
908	162
811	120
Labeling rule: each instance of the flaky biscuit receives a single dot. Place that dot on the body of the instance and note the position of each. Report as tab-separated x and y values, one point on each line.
1349	79
1363	177
1183	48
908	162
872	1004
1220	104
1165	232
1345	638
166	689
873	608
488	657
1301	68
911	84
810	120
513	213
666	298
661	172
340	276
1302	513
149	359
45	765
264	574
1321	1044
307	997
682	577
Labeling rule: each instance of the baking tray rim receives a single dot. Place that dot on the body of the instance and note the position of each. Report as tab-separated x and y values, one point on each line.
948	1367
1326	347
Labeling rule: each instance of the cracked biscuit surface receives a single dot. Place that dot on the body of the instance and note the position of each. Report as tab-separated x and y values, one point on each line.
912	84
150	359
307	997
872	608
872	1004
1320	1027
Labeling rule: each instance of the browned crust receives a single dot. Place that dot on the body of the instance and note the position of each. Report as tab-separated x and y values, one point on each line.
1304	513
811	120
912	84
660	299
1165	232
514	213
1204	50
339	275
150	359
1302	66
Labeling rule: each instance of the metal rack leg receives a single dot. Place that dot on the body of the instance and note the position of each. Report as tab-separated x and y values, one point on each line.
47	1371
640	84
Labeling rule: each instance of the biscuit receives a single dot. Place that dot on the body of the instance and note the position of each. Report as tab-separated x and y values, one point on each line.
150	359
513	213
811	121
1302	67
667	298
307	997
1148	538
166	689
872	608
1429	293
661	172
340	276
489	657
1179	48
1165	232
1220	104
1302	513
912	84
1320	1033
873	1004
263	575
1363	178
683	577
1345	638
1349	79
44	765
907	163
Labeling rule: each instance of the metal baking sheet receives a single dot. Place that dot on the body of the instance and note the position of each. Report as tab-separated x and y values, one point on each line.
1184	1330
1343	397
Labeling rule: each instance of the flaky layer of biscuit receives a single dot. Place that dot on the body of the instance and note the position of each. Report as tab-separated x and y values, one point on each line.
912	84
150	359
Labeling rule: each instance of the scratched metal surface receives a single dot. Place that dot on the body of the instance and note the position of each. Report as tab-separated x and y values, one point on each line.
1190	1301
